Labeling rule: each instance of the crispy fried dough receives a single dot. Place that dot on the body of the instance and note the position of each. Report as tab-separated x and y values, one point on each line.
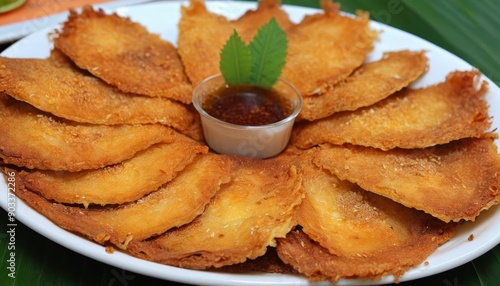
202	35
248	24
124	54
124	182
369	84
73	95
317	264
241	221
451	182
269	263
324	48
418	118
33	139
174	204
342	41
380	235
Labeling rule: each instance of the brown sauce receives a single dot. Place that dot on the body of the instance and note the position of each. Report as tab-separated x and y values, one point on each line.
247	105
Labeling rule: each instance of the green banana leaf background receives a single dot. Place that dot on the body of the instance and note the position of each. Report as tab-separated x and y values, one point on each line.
469	29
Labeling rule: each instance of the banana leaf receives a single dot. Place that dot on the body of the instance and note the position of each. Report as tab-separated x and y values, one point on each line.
466	28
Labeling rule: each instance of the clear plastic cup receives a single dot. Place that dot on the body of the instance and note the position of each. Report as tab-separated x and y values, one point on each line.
262	141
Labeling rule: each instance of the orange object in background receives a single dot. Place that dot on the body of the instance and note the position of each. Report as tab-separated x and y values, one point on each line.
33	9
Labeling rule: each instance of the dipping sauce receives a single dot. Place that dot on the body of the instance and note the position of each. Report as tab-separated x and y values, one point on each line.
245	120
247	105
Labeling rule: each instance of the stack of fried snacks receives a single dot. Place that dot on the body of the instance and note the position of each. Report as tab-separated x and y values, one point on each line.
105	143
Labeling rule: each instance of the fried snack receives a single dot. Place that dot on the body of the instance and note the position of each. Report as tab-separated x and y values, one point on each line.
71	94
121	183
451	182
325	48
202	35
60	60
268	263
417	118
174	204
248	24
380	235
369	84
241	221
317	264
124	54
34	139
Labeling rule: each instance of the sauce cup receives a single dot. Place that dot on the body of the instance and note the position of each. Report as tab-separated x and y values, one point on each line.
261	141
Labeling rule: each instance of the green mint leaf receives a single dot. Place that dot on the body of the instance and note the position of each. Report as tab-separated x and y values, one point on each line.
268	49
235	61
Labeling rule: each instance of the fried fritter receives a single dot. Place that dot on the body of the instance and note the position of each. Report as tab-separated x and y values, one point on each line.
318	264
268	263
325	48
248	24
202	35
124	54
416	118
71	94
243	219
452	182
342	42
34	139
120	183
174	204
364	234
369	84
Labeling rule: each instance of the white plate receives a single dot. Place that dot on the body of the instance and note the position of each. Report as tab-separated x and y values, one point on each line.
17	30
162	18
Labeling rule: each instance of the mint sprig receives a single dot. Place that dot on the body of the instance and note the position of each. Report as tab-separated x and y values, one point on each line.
260	63
236	61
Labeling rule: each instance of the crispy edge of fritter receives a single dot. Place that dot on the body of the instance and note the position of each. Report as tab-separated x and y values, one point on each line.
121	183
55	144
248	24
96	101
243	219
325	48
202	35
94	40
174	204
372	226
318	264
411	118
452	182
369	84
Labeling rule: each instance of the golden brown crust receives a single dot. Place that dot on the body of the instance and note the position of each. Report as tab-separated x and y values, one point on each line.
173	205
58	145
363	234
71	94
242	220
325	48
201	37
419	118
369	84
268	263
248	24
451	182
121	183
317	263
167	199
124	54
342	42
